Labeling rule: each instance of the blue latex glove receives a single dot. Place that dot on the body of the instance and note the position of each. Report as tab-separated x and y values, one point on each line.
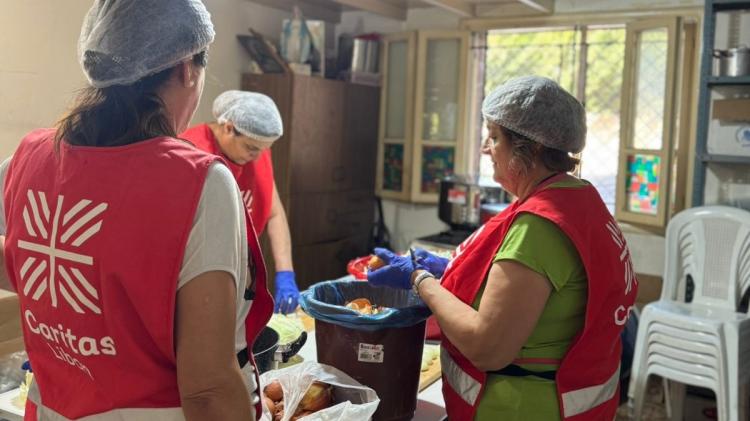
395	274
287	292
434	264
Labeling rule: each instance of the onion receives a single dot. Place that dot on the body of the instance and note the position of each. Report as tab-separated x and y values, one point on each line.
269	404
274	391
279	414
375	263
317	397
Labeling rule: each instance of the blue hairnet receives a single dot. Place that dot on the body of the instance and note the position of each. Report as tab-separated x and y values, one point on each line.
252	114
122	41
539	109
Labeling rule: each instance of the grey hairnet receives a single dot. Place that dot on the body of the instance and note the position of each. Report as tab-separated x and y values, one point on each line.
254	115
539	109
123	41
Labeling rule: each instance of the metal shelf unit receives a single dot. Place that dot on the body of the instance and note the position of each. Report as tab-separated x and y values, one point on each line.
725	159
721	5
709	82
728	80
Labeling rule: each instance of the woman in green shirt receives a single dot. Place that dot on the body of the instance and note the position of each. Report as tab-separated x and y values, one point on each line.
508	337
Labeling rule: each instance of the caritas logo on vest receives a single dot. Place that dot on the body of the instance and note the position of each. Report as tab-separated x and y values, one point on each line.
56	236
622	313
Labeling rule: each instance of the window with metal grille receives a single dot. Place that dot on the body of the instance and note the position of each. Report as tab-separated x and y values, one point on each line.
588	62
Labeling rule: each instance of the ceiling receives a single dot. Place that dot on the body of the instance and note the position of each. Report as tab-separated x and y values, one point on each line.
330	10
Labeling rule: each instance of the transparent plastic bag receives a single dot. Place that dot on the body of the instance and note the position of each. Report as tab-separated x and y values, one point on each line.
354	402
11	374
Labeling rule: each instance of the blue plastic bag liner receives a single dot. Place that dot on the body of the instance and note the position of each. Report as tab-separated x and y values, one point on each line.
326	301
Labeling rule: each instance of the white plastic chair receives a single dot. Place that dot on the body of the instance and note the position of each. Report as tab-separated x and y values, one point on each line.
704	342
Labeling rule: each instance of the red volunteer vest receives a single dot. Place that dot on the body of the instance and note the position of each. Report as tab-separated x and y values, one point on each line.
255	178
94	247
588	377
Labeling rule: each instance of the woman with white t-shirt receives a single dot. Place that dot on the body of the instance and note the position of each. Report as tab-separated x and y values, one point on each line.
131	267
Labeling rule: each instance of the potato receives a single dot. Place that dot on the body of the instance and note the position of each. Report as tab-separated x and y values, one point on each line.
269	404
317	397
279	414
274	391
374	263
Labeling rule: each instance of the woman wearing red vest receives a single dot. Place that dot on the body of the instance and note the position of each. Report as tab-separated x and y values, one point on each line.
247	124
129	247
531	306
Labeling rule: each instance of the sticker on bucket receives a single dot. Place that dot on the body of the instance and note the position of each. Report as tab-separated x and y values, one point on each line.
369	353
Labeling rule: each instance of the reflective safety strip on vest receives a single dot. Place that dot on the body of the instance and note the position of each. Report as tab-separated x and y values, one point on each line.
463	384
579	401
131	414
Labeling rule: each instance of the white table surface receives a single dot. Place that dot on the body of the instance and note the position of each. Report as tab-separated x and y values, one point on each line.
430	404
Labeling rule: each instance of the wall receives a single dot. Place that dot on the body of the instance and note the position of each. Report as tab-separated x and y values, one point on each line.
40	72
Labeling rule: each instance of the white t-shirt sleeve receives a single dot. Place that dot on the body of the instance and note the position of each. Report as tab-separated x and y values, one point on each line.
3	172
218	240
215	241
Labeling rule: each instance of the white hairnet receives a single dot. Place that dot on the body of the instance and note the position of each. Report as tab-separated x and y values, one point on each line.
254	115
539	109
123	41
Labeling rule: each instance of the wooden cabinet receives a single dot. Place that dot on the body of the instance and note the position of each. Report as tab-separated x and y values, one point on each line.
324	168
423	113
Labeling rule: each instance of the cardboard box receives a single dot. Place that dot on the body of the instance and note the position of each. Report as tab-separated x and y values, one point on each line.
736	110
728	138
11	335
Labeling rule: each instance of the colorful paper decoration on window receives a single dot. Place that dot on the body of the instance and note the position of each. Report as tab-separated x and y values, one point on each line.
437	163
643	183
393	167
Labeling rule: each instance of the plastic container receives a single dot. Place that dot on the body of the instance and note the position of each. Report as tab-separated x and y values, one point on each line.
358	267
365	55
382	351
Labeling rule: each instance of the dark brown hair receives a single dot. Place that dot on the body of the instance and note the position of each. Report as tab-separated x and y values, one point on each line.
524	150
120	114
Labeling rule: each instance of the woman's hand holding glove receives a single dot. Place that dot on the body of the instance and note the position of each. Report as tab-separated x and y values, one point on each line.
434	264
396	273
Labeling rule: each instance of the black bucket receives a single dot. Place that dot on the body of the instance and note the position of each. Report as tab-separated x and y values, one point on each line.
266	349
